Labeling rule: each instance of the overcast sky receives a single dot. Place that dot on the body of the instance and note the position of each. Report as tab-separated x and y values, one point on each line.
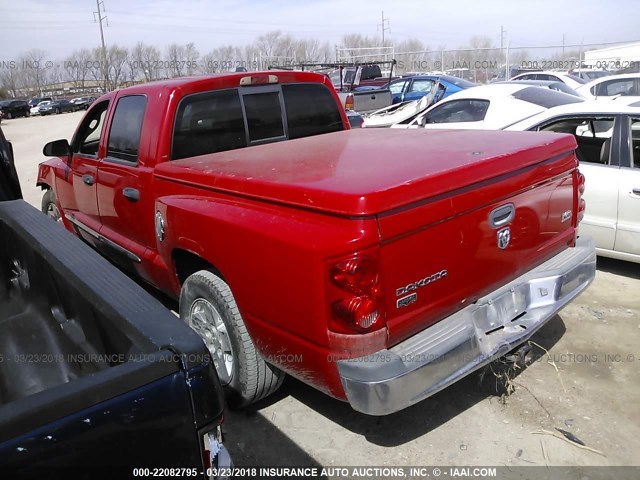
61	26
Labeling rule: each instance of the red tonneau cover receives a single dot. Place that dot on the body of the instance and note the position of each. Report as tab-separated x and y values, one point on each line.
365	172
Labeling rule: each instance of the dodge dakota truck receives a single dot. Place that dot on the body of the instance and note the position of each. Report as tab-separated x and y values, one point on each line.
93	371
378	266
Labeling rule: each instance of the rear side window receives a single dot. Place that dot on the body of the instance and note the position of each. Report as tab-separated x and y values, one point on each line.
545	97
264	116
208	122
126	126
311	110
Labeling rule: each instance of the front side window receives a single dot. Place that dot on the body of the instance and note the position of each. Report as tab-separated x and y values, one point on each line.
459	111
397	87
88	139
126	126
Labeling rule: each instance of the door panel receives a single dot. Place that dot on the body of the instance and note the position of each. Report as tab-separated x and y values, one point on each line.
601	197
628	232
84	173
126	210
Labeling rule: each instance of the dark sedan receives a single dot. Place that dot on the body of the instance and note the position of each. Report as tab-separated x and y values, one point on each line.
14	108
57	106
83	103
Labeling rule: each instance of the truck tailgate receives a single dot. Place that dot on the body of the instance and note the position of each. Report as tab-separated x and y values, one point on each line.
443	253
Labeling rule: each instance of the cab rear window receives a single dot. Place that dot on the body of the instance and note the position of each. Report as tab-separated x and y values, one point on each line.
212	122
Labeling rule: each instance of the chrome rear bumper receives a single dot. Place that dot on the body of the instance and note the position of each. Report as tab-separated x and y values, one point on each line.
392	379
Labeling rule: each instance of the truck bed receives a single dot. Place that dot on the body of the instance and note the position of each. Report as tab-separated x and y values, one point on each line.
73	332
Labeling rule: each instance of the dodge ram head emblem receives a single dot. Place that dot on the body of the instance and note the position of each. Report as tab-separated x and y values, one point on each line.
504	237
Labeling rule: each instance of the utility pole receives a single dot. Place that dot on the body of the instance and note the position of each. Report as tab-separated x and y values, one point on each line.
503	33
384	26
97	17
563	46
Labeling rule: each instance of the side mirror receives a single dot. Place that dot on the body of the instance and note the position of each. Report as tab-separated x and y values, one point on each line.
58	148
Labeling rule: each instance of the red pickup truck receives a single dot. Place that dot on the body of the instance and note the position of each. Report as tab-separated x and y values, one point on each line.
378	266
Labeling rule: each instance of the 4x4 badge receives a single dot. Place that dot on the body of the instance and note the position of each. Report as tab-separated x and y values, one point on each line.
504	237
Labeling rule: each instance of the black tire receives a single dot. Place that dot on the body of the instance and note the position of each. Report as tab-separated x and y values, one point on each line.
251	378
50	206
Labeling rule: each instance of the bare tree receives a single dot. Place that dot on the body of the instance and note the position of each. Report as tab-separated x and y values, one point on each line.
191	57
12	77
116	61
77	67
35	68
146	60
176	55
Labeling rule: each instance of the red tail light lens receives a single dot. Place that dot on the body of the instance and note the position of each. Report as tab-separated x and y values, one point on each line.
358	305
357	275
348	103
363	313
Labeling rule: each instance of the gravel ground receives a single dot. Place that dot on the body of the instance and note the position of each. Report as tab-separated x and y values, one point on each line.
587	384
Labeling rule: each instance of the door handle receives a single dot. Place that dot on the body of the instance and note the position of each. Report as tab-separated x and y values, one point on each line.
373	97
132	194
636	191
88	179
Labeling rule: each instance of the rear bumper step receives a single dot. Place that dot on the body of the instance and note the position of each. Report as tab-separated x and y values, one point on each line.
392	379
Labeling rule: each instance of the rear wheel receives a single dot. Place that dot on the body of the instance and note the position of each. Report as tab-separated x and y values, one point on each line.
50	207
208	307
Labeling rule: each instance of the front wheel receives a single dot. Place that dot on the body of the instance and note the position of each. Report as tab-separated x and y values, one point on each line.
50	207
208	307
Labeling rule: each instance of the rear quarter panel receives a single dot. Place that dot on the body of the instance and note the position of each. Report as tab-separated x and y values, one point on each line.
276	261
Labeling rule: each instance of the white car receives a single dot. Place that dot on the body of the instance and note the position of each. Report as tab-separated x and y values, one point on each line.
35	110
572	80
489	107
612	86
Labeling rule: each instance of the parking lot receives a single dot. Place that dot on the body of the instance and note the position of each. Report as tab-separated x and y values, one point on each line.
584	378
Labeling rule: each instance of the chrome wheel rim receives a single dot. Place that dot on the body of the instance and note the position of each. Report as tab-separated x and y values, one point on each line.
207	322
53	212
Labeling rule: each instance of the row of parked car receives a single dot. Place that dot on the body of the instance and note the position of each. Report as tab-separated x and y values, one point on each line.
42	106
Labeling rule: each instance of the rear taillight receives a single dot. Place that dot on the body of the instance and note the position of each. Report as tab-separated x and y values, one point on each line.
348	103
356	303
581	203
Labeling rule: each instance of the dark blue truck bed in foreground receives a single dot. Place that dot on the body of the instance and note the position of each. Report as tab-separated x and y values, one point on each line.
93	371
